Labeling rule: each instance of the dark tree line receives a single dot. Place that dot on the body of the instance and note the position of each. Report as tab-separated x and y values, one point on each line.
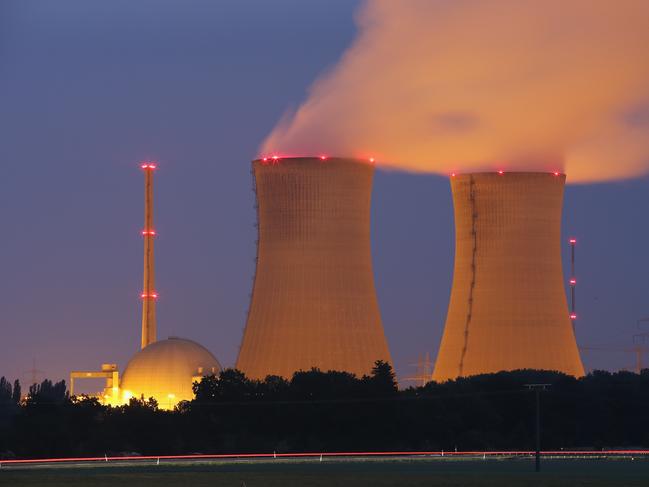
333	411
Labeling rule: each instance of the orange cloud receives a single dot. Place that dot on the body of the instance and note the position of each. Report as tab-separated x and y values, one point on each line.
465	85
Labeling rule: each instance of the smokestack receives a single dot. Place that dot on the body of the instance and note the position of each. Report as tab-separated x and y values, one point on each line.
149	294
313	301
508	308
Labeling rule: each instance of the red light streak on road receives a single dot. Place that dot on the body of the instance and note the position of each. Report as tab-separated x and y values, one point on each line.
550	453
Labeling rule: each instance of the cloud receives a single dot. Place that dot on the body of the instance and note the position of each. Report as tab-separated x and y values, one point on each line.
465	85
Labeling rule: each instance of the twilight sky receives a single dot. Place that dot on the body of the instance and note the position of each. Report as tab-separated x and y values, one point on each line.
89	89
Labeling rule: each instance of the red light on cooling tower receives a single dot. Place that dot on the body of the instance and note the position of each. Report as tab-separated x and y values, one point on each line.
501	172
323	158
556	173
452	174
372	159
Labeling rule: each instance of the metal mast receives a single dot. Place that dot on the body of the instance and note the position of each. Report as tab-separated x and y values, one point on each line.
149	294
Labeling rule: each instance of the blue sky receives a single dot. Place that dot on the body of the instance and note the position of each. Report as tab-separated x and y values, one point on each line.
88	89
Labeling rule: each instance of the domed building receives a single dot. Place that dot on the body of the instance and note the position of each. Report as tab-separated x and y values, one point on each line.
166	370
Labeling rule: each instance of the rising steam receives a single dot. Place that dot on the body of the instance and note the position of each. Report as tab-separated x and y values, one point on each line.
467	85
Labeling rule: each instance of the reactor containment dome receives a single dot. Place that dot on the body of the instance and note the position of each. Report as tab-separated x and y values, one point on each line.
166	370
313	301
508	307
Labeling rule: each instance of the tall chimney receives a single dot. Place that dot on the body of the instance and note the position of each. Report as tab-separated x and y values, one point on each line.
508	307
149	294
313	300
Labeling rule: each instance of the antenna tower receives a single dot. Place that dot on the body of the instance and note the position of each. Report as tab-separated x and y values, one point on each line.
149	294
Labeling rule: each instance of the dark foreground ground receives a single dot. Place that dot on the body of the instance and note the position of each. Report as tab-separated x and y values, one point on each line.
340	472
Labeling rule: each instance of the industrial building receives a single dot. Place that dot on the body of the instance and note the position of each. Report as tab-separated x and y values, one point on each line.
508	307
313	301
164	370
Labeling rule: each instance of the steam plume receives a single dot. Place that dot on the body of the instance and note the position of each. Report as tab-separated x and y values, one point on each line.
467	85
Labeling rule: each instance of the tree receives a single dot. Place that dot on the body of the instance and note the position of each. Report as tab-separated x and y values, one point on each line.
382	381
47	393
5	390
17	392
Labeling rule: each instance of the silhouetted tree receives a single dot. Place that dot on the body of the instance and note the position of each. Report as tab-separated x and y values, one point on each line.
47	392
17	392
382	381
5	391
334	411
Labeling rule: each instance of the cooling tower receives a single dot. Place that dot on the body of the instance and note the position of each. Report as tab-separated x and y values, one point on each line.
313	301
508	307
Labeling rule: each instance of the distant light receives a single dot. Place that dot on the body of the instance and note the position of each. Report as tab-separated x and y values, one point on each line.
275	158
573	281
573	316
501	172
371	159
322	158
452	174
148	165
573	240
265	159
556	173
152	295
148	232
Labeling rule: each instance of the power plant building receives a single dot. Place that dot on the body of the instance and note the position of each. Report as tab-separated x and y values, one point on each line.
164	370
508	307
313	302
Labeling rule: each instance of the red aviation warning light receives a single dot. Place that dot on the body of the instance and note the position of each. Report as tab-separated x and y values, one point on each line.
148	233
153	295
148	165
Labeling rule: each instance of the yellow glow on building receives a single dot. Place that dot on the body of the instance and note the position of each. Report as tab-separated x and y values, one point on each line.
165	370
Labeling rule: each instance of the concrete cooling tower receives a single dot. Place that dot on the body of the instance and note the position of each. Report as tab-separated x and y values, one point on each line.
508	307
313	301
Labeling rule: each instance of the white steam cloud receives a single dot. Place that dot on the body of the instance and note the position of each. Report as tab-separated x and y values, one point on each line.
466	85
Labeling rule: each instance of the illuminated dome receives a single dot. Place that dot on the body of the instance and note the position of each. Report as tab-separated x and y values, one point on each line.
165	370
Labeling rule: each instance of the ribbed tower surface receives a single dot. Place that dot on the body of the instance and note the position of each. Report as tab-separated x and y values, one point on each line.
508	308
313	302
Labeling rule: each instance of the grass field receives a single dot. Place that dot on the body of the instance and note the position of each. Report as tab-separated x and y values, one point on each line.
356	473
